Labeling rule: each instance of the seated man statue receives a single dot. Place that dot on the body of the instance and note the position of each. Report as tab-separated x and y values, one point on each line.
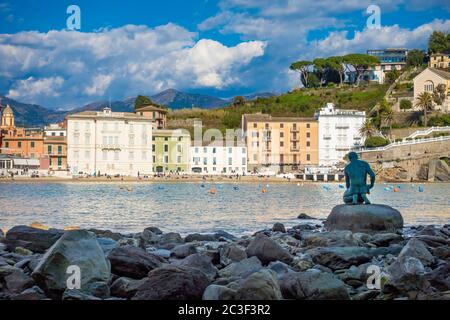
356	180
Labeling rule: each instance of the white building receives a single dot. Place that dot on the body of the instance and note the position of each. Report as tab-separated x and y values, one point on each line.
338	133
109	143
217	159
55	130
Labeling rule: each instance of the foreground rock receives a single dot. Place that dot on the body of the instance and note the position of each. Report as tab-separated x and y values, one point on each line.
133	262
365	218
74	248
267	250
173	283
33	239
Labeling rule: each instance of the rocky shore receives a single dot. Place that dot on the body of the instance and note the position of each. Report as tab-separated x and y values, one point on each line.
307	261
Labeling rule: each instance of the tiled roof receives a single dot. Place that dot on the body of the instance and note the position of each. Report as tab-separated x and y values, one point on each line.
268	118
442	73
151	108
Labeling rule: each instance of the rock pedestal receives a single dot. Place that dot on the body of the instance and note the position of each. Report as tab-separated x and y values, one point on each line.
364	218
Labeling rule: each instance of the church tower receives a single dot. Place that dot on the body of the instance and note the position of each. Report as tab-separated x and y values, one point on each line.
7	118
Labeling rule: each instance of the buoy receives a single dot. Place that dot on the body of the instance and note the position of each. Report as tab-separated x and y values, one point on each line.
202	186
421	189
236	188
264	190
212	191
341	186
387	189
399	186
395	189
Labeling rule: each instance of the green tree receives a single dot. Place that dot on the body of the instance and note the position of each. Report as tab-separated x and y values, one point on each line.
238	101
313	81
321	68
303	68
388	117
439	42
405	104
425	103
415	58
367	130
391	76
361	63
337	64
439	94
375	142
142	101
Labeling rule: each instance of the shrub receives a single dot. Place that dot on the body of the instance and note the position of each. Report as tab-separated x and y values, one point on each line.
374	142
440	121
405	104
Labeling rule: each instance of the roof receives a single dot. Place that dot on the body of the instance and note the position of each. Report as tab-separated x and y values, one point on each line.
102	115
268	118
170	133
8	109
442	73
151	108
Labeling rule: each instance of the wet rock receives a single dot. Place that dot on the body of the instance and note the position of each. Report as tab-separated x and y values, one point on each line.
304	216
217	292
230	253
416	248
199	262
154	230
442	252
77	295
75	248
23	251
31	294
332	238
107	244
267	250
366	295
133	262
200	237
278	227
17	281
183	250
173	283
106	234
385	239
126	287
313	285
279	268
261	285
242	268
337	258
433	241
439	278
171	238
33	239
162	253
365	218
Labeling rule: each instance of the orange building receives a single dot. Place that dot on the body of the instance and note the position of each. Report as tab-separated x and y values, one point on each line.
156	114
55	146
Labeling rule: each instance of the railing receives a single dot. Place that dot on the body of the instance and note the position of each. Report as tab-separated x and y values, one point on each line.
428	131
405	143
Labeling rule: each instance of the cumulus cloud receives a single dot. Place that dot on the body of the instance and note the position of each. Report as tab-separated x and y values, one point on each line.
125	61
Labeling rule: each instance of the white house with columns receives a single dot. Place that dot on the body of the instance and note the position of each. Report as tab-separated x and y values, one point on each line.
338	133
218	159
112	143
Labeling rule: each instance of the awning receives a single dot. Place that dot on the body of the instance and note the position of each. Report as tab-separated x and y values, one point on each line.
27	162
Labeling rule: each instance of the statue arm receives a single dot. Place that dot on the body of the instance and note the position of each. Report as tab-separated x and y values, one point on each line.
347	180
372	176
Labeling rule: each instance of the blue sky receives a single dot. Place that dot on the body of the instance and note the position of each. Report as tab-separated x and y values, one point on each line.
223	48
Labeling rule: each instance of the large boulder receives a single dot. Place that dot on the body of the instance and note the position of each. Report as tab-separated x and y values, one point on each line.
365	218
417	249
36	240
261	285
217	292
313	285
125	288
200	262
18	281
133	262
230	253
241	269
75	248
267	250
173	283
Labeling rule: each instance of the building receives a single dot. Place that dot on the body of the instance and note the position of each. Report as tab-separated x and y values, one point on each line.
289	143
55	146
170	151
440	61
218	159
16	165
106	142
338	133
390	59
428	80
157	115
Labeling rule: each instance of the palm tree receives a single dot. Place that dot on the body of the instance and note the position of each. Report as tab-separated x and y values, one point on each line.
425	103
388	116
367	130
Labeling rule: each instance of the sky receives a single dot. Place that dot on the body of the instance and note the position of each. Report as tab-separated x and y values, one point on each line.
222	48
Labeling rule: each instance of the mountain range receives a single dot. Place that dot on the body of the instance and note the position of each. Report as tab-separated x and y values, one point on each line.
32	115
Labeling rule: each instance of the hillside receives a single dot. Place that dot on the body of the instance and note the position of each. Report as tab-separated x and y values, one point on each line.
300	103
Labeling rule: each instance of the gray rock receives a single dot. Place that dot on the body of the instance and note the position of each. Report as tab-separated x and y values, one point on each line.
171	238
241	269
75	248
365	218
184	250
173	283
415	248
406	274
133	262
106	234
304	216
200	237
200	262
18	281
154	230
230	253
279	268
329	239
385	239
313	285
442	252
107	244
267	250
337	258
278	227
217	292
31	294
77	295
126	287
6	270
163	253
439	278
261	285
33	239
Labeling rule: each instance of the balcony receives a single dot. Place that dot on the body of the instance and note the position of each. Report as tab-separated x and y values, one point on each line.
110	147
327	137
342	126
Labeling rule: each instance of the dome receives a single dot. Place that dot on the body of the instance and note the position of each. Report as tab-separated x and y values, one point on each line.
8	110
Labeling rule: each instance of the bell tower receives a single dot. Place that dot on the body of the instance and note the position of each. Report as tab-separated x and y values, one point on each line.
7	118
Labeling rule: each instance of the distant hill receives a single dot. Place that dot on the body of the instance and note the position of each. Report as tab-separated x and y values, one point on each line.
180	100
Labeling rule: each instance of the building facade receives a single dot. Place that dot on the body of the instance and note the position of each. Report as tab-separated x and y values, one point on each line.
440	61
289	143
55	146
157	115
428	80
217	159
112	143
170	151
338	133
390	59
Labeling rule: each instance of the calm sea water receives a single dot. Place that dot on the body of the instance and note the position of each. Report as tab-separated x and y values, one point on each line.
188	207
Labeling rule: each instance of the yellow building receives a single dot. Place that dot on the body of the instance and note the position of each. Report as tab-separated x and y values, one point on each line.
288	142
439	61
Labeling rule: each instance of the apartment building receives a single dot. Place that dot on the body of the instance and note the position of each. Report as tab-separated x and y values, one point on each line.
440	61
170	151
113	143
55	146
291	143
157	115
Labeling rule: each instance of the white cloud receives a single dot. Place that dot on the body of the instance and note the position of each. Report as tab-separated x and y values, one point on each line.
117	62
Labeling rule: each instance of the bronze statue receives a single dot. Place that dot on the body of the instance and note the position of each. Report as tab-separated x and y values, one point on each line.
356	180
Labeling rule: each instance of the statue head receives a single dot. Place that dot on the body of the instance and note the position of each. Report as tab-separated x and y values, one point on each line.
352	156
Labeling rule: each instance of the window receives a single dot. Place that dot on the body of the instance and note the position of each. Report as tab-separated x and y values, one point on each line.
244	161
429	86
255	157
76	125
255	125
308	157
105	140
131	140
196	150
116	140
153	148
111	140
131	127
59	161
166	148
205	161
166	139
87	138
230	150
281	134
244	151
308	125
49	150
19	144
53	134
230	161
144	155
308	134
131	155
116	155
32	144
76	155
282	125
179	159
105	126
166	159
105	155
61	134
179	149
308	144
180	139
214	150
205	150
87	126
154	159
281	144
7	144
214	161
59	149
87	154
